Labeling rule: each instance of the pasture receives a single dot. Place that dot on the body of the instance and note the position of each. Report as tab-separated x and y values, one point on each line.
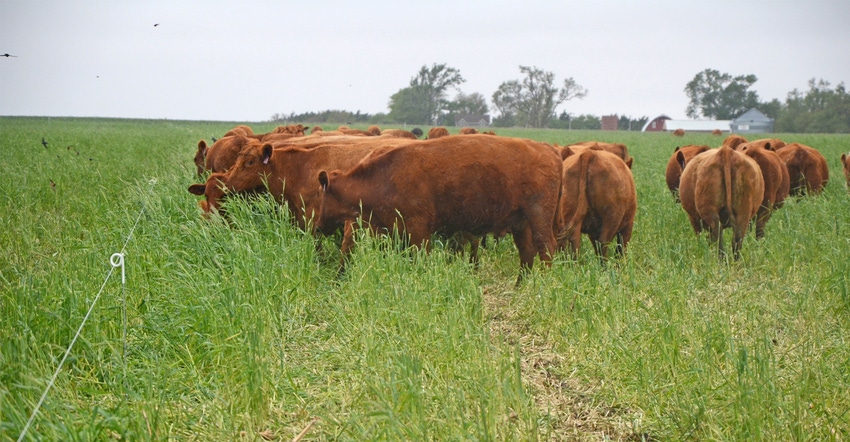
243	331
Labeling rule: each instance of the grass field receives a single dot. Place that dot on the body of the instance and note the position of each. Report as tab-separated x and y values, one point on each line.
242	330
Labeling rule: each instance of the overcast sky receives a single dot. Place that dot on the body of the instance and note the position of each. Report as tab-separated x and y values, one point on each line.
247	60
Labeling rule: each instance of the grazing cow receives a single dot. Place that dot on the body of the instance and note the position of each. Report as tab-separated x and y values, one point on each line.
475	183
717	132
416	131
598	198
679	132
294	129
289	173
776	181
214	193
617	149
775	143
437	132
845	162
468	131
399	133
241	129
316	129
221	155
807	168
350	131
734	141
674	168
375	130
721	188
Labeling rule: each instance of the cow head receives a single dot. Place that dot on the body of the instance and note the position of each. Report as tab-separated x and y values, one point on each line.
201	157
252	167
334	209
213	190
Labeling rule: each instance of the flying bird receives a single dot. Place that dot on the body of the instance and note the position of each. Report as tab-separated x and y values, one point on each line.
155	24
44	142
7	55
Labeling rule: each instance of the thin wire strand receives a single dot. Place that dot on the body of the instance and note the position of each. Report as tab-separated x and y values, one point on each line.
77	335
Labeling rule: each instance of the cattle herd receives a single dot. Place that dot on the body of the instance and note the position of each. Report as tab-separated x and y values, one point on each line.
463	187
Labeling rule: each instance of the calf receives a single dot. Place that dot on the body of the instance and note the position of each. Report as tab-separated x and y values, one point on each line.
776	181
473	183
598	198
679	132
845	162
721	188
807	168
674	167
437	132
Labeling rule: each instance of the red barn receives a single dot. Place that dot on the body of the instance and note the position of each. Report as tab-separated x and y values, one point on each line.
610	122
656	124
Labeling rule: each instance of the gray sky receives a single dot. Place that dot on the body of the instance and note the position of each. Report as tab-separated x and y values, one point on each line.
246	60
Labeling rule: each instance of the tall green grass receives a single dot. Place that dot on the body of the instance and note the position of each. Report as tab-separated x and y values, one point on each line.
243	327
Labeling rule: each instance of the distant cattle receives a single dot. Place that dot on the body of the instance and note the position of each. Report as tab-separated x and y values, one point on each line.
674	167
776	181
598	198
775	143
241	129
374	130
845	162
416	131
400	133
349	131
315	129
717	132
468	131
437	132
474	183
807	168
294	129
734	140
679	132
721	188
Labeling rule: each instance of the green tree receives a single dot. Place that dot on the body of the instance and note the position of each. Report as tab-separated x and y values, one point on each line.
820	110
533	100
426	95
720	96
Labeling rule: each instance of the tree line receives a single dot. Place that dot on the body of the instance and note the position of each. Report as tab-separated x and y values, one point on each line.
532	100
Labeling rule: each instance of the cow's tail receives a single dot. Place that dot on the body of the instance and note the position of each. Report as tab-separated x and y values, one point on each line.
581	203
727	153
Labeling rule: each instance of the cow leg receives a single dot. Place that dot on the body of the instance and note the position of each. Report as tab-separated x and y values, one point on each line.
738	240
525	244
474	242
761	220
347	245
715	236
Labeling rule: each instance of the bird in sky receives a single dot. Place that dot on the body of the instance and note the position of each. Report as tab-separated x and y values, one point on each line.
7	55
155	24
44	142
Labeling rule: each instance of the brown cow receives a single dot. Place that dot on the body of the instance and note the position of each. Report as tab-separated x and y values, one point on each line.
374	130
221	155
807	168
775	143
717	132
845	162
734	141
617	149
437	132
721	188
473	183
598	198
679	132
776	181
400	133
468	131
241	129
674	168
294	129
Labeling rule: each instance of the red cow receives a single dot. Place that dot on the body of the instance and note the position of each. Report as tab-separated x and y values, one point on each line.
721	188
807	168
674	167
374	130
437	132
776	181
399	133
734	141
717	132
221	155
474	183
598	198
617	149
679	132
845	161
774	143
468	131
241	129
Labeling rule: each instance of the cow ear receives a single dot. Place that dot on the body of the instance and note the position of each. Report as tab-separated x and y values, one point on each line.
197	189
843	158
202	147
629	162
324	180
566	152
676	149
267	153
769	147
680	158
